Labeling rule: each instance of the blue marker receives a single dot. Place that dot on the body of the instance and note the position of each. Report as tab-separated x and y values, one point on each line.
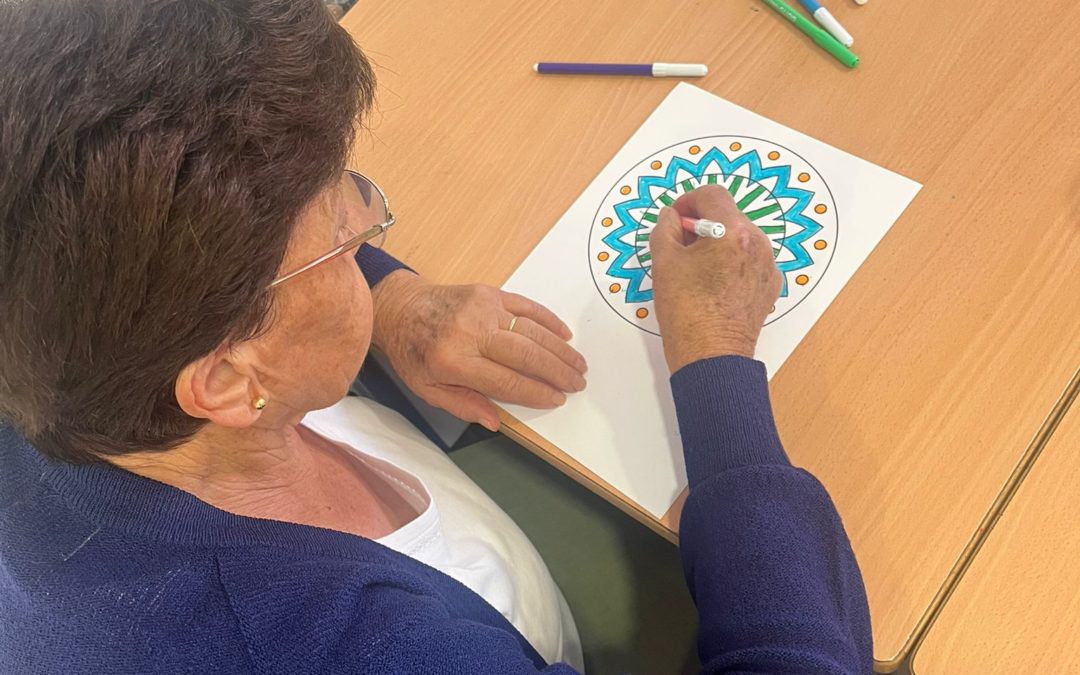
823	17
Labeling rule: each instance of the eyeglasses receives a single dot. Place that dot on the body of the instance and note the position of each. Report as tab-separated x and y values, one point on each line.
367	217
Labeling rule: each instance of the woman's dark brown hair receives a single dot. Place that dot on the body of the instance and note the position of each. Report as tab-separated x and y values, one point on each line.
154	157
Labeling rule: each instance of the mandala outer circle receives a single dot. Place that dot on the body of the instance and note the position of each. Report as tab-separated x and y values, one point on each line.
776	188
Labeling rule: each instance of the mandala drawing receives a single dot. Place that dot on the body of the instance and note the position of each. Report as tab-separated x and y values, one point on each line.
777	190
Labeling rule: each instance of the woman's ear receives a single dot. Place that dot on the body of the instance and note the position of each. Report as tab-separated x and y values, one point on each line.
217	388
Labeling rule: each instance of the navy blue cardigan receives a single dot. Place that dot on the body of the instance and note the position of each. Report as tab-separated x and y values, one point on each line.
102	571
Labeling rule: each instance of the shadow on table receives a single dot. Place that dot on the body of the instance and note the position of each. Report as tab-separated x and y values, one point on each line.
623	583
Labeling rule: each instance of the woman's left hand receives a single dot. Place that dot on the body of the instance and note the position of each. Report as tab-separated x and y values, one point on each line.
452	346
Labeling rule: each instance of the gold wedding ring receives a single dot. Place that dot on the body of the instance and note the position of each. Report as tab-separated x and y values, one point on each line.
513	322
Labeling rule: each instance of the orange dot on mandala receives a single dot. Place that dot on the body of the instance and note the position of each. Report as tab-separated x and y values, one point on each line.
803	177
614	288
820	244
642	313
656	165
602	256
694	149
802	279
606	222
625	189
820	208
736	146
774	155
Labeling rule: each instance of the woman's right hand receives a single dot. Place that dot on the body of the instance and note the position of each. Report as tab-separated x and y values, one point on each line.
712	295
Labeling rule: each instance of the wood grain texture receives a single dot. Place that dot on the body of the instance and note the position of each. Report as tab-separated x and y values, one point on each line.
914	395
1017	609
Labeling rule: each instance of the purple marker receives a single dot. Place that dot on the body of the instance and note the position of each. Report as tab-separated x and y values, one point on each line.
645	69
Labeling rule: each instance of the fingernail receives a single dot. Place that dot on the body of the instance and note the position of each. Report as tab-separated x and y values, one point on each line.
491	424
579	384
582	365
558	398
568	333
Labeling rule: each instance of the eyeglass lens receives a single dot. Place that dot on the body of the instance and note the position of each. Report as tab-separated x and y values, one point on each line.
365	207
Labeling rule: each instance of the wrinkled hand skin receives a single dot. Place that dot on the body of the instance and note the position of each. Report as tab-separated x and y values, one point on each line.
712	295
450	345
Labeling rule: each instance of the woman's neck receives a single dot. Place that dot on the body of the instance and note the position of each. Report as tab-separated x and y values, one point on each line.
287	473
232	469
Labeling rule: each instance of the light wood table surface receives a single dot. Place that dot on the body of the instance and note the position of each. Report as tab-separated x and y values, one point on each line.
918	391
1017	608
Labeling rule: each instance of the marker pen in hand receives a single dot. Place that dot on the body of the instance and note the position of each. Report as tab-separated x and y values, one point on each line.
704	228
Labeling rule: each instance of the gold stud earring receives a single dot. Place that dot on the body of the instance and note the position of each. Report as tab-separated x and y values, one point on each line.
259	403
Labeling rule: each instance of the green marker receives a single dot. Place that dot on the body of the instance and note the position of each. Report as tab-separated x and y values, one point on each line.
824	40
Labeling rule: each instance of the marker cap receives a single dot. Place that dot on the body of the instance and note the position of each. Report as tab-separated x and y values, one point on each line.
833	26
679	70
709	228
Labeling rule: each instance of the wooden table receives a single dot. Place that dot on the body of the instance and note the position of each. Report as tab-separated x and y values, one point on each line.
1017	608
917	392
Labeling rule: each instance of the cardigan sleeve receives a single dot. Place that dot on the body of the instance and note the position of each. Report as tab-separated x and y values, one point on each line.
376	263
770	568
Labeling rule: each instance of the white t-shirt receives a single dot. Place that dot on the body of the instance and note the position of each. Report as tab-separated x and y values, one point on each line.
459	530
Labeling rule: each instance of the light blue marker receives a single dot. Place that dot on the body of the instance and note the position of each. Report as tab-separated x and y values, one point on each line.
823	17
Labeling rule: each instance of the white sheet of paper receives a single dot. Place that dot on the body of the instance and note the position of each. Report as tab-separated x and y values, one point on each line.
824	210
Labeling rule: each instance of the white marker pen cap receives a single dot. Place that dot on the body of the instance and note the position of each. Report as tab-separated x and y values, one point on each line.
833	26
679	70
709	228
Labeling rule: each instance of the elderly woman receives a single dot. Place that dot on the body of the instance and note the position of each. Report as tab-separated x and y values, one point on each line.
189	283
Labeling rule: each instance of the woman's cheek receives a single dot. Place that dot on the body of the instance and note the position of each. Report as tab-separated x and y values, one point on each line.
359	312
365	315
